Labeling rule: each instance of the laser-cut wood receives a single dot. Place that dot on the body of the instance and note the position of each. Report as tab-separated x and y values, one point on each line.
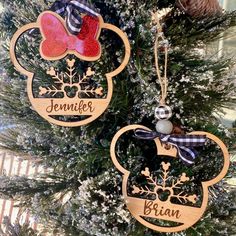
185	216
91	107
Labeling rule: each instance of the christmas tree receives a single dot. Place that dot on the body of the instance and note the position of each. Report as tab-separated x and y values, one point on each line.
81	195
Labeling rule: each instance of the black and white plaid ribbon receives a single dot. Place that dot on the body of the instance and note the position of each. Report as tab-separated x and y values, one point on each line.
183	143
71	10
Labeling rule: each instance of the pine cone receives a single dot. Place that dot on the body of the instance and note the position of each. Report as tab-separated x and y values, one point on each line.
200	8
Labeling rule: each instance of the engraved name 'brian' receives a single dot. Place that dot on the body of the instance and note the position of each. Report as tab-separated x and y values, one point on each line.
80	107
152	208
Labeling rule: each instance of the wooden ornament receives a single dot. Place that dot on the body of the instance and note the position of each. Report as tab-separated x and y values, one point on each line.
145	203
57	43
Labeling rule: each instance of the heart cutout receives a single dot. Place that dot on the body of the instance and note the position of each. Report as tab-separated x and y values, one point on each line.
71	91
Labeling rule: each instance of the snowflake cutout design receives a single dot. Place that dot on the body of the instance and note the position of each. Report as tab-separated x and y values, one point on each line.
70	83
163	191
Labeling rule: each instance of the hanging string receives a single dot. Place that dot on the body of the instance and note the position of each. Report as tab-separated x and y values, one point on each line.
162	80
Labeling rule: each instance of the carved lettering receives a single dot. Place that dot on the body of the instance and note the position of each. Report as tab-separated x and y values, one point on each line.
148	207
151	207
80	107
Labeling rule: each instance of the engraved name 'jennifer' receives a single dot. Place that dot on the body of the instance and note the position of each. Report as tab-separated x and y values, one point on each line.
80	107
153	208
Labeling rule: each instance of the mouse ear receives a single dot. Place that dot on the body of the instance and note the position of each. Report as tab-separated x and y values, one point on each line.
119	156
23	48
131	154
127	49
215	156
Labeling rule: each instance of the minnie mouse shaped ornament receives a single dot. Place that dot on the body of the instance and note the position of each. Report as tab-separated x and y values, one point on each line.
70	97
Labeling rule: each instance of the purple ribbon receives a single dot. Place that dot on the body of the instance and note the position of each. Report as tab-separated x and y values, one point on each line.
183	143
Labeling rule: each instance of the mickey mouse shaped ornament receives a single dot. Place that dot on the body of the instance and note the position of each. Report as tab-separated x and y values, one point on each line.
69	96
161	192
157	195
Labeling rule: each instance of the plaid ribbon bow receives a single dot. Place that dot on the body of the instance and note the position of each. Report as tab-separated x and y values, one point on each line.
71	9
183	143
